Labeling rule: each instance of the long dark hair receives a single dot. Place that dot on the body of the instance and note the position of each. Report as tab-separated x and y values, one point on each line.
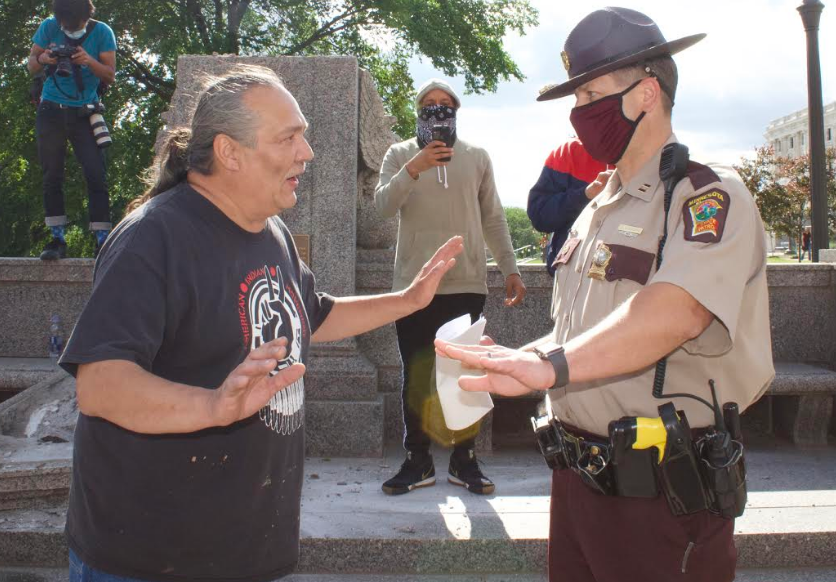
220	111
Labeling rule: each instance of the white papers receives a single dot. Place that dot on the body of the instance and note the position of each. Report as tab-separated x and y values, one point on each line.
461	409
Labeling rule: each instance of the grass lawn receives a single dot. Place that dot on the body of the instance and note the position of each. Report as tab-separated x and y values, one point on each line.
784	259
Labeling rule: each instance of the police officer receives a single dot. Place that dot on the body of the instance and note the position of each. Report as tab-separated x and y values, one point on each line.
703	310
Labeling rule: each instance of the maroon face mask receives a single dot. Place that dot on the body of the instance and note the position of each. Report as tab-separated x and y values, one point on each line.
602	127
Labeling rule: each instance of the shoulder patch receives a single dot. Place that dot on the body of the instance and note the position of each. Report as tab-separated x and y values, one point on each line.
705	216
701	175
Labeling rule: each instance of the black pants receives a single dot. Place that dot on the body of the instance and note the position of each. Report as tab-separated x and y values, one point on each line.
416	334
54	127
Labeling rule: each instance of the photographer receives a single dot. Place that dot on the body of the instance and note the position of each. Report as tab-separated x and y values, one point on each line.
77	55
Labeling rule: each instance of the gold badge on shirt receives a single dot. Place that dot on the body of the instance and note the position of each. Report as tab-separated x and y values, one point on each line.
600	262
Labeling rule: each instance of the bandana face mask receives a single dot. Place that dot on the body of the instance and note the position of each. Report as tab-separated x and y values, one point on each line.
602	127
435	115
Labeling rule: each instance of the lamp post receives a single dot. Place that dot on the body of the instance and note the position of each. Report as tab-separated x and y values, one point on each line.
810	12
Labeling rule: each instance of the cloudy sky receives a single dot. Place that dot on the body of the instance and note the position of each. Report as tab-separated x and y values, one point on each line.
750	69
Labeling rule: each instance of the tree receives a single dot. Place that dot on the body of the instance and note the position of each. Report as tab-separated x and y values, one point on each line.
522	233
781	187
459	37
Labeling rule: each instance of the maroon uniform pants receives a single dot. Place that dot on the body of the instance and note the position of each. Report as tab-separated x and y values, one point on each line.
596	538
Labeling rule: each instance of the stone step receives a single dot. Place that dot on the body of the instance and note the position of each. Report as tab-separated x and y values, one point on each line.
350	527
344	428
19	373
349	377
803	403
743	575
31	291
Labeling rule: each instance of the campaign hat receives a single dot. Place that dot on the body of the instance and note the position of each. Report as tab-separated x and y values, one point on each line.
607	40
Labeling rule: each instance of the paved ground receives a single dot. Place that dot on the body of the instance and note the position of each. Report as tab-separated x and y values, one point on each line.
349	525
790	491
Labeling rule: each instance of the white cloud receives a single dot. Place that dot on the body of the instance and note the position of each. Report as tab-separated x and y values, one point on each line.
750	69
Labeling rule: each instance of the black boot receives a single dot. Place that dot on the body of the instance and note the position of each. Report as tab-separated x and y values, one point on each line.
54	250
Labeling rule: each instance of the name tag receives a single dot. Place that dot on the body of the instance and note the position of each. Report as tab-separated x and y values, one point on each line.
566	251
629	231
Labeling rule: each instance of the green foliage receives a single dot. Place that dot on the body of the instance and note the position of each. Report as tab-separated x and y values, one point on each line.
459	37
522	233
781	187
80	242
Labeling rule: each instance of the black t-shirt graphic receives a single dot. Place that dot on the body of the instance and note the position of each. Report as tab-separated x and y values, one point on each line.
185	293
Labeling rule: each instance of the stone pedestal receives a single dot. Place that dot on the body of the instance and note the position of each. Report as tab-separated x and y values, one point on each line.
31	292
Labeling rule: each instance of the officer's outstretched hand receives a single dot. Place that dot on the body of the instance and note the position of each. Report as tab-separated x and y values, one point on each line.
249	386
507	372
422	290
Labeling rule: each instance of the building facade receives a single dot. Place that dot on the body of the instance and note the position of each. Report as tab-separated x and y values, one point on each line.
789	136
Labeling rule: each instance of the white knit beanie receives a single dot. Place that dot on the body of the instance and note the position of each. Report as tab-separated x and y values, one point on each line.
436	84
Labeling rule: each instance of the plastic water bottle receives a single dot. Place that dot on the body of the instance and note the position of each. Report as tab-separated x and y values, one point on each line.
56	343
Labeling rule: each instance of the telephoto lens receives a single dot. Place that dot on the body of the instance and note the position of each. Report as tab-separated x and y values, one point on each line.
100	132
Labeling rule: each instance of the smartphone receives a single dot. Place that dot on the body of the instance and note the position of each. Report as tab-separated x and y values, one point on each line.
443	133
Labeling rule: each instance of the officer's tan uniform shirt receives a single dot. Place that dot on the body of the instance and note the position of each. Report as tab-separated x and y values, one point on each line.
723	266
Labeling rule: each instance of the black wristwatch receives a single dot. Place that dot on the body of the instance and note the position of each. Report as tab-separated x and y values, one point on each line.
555	354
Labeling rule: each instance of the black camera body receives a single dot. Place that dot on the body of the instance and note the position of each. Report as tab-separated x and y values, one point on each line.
64	54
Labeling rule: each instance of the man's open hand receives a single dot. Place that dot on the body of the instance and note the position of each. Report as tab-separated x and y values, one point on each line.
422	290
249	386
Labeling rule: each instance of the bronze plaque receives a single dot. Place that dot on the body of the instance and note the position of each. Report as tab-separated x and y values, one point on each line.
303	246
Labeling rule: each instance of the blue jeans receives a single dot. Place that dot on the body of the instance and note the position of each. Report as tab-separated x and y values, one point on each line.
81	572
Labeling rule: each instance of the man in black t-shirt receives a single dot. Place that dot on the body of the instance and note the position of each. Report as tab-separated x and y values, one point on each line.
190	354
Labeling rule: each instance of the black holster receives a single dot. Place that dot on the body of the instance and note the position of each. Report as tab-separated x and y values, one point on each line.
679	472
723	467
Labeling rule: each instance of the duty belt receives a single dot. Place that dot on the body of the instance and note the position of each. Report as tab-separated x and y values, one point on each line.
695	470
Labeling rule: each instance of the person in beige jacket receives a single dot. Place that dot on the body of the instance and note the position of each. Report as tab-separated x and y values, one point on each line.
440	189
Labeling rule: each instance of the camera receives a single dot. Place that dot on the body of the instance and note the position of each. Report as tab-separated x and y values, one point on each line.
97	123
443	133
64	53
